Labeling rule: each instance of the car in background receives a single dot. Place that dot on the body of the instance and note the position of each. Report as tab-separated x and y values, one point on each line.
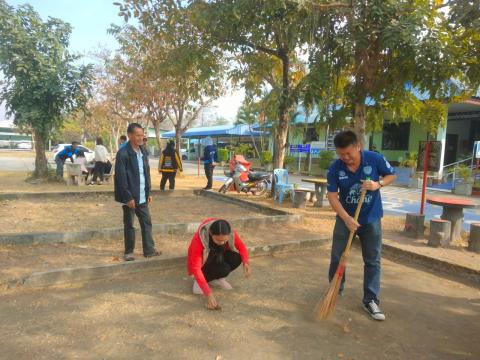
183	154
4	144
24	145
89	154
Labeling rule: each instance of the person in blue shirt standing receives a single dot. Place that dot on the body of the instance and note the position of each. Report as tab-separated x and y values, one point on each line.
67	153
354	171
210	159
132	190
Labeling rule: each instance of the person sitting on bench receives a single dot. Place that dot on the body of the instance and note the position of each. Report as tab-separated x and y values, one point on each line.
214	252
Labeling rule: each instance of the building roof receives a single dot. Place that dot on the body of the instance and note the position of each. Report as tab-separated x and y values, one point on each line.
217	131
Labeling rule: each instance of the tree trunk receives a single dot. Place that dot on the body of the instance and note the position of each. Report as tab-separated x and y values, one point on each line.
178	139
41	164
156	127
283	119
359	121
281	141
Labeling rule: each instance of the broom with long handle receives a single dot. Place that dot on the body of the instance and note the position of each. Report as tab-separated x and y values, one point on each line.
326	307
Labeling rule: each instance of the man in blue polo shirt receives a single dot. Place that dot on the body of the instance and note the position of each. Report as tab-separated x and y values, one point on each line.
358	169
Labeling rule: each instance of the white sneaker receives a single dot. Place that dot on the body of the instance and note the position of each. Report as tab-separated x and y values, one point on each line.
374	310
196	288
221	283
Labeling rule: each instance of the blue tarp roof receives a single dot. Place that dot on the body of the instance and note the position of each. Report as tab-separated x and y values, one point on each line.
221	130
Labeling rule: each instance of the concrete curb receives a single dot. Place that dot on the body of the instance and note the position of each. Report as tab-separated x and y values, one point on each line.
81	194
117	233
109	271
407	257
274	216
235	201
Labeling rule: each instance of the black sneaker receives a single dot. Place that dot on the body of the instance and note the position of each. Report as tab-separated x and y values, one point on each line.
374	310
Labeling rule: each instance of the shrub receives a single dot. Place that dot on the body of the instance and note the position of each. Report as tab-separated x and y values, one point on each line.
326	158
266	157
223	155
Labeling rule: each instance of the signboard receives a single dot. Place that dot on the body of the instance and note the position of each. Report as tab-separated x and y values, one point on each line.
316	147
434	157
300	148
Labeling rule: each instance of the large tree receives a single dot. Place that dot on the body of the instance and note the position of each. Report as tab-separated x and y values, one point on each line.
186	73
42	84
264	38
400	59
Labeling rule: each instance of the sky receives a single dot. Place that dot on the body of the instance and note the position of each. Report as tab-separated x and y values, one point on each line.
90	20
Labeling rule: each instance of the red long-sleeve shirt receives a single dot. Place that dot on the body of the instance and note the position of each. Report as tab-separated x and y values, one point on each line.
195	259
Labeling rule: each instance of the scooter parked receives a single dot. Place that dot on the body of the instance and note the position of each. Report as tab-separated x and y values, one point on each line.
241	179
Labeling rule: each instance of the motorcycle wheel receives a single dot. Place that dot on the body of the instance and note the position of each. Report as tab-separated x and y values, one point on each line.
223	189
261	188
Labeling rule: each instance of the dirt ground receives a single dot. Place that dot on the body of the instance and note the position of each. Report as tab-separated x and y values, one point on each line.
20	260
14	181
155	316
93	212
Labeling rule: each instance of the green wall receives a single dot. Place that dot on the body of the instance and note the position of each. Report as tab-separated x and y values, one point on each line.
417	133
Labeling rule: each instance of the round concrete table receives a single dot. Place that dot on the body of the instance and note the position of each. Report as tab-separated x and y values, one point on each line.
453	212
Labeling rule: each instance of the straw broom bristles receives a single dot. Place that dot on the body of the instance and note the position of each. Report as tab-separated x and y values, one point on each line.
326	307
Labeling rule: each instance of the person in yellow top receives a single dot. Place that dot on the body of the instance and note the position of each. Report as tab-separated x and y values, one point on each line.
168	165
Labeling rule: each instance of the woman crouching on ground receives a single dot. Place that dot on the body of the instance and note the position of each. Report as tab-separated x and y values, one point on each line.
215	251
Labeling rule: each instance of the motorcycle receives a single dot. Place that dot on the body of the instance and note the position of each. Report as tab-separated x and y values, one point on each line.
241	179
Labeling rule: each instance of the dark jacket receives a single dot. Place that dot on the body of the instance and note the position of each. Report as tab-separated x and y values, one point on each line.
210	154
170	161
127	177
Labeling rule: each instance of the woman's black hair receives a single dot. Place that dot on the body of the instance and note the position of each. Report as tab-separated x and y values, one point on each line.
220	227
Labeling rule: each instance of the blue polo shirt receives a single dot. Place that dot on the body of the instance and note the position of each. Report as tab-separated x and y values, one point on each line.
373	165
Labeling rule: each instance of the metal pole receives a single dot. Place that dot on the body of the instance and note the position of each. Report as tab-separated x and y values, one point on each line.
425	175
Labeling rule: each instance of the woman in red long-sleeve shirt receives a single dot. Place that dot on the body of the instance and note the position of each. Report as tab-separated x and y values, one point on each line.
214	252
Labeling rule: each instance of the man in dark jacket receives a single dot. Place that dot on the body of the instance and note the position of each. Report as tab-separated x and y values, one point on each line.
132	189
209	161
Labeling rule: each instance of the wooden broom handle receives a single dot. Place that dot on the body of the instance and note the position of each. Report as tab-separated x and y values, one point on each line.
355	217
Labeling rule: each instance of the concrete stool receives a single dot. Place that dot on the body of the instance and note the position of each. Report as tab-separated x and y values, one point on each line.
74	174
440	231
300	198
415	225
474	240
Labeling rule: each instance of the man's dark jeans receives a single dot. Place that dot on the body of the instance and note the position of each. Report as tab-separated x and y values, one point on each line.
209	174
143	215
60	164
371	240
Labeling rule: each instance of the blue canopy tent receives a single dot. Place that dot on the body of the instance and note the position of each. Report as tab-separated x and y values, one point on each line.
216	132
221	135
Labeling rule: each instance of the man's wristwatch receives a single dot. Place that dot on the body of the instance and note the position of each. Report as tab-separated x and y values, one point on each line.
381	183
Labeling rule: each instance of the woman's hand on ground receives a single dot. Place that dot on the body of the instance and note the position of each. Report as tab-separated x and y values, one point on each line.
211	302
247	270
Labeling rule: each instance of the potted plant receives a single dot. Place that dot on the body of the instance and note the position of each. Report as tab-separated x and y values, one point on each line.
463	187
